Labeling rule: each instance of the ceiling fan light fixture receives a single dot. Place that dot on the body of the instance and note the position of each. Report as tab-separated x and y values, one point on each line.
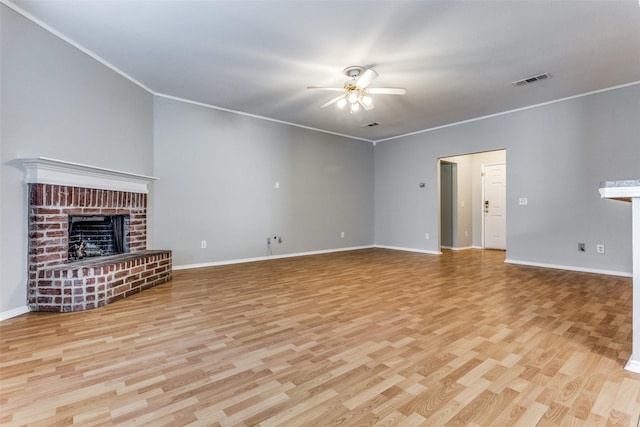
356	91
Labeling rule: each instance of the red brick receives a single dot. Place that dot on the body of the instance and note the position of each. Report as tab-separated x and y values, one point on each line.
48	307
121	289
120	274
45	258
56	233
34	233
55	249
47	211
138	269
146	274
35	194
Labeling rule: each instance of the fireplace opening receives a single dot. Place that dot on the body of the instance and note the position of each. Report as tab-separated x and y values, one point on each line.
97	235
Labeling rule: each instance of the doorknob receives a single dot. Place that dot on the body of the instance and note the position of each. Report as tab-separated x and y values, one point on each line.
486	206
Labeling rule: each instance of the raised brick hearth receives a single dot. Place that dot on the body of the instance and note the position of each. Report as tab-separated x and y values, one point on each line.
58	284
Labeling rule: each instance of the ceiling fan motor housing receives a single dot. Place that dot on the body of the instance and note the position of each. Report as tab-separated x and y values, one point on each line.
353	71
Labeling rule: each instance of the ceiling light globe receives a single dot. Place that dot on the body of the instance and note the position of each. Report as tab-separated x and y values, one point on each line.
355	107
341	103
366	100
353	97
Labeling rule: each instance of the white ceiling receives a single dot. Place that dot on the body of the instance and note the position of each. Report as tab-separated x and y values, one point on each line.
456	59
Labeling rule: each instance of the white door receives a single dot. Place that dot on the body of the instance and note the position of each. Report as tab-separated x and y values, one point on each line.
494	206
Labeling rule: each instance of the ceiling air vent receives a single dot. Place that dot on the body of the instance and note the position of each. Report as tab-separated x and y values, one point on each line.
531	79
370	125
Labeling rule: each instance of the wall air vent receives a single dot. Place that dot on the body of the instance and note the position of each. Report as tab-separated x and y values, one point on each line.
531	79
370	125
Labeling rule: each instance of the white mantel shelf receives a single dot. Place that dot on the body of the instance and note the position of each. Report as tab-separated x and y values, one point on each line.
629	191
43	170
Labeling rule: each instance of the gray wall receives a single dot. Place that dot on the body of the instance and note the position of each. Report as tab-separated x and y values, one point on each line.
58	102
557	154
217	175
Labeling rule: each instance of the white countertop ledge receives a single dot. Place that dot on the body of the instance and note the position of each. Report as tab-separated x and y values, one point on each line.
621	190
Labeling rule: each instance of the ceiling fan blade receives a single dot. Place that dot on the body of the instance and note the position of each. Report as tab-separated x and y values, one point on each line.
387	91
368	107
336	99
326	88
366	78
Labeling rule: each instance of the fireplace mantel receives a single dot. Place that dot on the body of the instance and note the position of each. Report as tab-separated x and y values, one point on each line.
43	170
629	191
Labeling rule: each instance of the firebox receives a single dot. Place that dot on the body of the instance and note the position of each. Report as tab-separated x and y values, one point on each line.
98	235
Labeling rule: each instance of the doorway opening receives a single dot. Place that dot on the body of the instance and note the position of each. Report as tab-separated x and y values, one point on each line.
472	193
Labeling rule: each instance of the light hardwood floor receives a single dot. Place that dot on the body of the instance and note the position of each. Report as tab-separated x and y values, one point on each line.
369	337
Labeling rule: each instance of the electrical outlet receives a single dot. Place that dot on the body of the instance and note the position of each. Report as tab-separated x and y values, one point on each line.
268	240
523	201
342	234
426	236
203	244
600	248
581	247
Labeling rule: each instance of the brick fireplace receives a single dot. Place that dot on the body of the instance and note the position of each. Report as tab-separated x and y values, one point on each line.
61	282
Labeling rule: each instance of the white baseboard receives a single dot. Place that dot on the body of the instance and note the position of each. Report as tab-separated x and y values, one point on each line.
266	258
633	365
396	248
14	312
569	267
461	248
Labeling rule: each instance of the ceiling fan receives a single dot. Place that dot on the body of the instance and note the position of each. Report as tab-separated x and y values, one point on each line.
356	91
